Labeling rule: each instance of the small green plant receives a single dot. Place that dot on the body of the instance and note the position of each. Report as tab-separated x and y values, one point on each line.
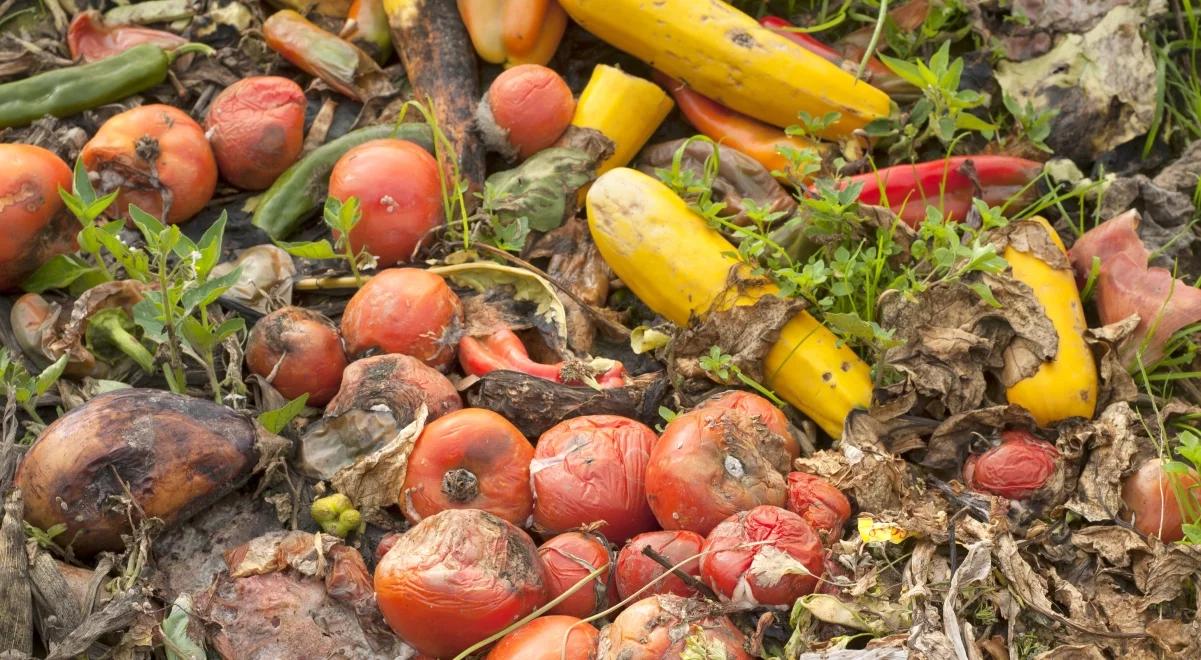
1031	123
341	218
721	366
23	388
1188	448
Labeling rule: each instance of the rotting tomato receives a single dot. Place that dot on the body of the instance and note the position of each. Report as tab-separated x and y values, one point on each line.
757	406
470	459
36	227
591	470
400	383
743	569
404	310
568	559
300	352
662	626
399	193
256	129
635	570
549	637
820	503
1152	498
1015	469
525	110
710	463
159	159
457	577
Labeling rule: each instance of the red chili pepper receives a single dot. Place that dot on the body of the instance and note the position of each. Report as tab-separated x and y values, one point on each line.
879	75
503	350
949	184
733	129
90	38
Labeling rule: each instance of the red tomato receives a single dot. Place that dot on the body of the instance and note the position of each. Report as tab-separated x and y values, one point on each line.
456	578
1016	468
399	192
256	128
660	627
159	158
404	310
525	110
568	559
470	459
544	639
774	573
710	463
1153	500
591	469
300	351
756	406
400	383
635	570
819	502
36	227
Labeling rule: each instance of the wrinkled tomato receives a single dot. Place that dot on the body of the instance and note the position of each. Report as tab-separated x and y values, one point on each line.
300	352
1152	497
469	459
404	310
457	577
1015	469
36	227
550	637
759	407
568	559
664	626
635	570
820	503
256	129
765	556
591	469
158	157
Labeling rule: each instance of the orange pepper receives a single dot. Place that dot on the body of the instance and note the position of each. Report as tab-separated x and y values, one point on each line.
512	32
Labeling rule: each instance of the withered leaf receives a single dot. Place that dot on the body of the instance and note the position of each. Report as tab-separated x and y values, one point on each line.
542	189
1111	443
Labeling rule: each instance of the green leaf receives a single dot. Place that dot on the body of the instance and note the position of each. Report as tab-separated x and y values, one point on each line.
985	293
82	183
277	420
906	70
49	376
229	327
209	290
321	249
342	216
198	336
210	246
58	273
177	642
149	225
148	316
542	190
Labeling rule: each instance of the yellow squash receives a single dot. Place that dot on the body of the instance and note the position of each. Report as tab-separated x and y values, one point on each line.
727	56
678	266
1066	386
626	109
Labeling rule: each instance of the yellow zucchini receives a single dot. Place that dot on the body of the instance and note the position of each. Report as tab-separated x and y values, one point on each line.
678	266
727	56
1065	386
626	109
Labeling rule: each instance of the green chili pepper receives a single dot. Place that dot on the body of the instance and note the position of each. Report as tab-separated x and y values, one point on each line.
69	91
301	189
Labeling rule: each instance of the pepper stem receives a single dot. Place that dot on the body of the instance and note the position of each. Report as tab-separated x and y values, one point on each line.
106	329
189	48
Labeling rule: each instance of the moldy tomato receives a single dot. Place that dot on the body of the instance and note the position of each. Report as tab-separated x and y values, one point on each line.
256	128
1015	469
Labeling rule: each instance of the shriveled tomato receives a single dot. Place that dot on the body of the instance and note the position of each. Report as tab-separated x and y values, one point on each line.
710	463
36	227
399	383
663	626
470	459
759	407
1152	497
635	570
590	469
399	193
765	556
159	159
545	638
89	38
1016	468
404	310
525	110
568	559
256	128
456	578
300	351
819	502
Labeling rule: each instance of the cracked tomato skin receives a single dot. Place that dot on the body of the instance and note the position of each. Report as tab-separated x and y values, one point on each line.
750	575
31	213
134	148
1151	500
542	639
404	310
755	405
1014	469
819	502
635	570
399	192
659	627
593	468
711	463
571	557
256	128
456	578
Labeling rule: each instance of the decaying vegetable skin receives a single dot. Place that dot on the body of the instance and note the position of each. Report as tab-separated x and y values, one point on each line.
173	455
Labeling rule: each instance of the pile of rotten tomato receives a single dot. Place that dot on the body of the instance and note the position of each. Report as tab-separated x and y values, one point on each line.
384	366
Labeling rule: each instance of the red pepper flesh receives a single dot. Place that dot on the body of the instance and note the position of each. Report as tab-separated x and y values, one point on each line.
503	350
89	38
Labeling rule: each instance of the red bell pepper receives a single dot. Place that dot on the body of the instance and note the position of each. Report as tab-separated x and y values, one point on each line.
877	74
503	350
948	184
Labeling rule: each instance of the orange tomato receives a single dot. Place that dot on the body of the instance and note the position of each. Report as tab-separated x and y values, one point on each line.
301	350
256	128
31	213
544	639
404	310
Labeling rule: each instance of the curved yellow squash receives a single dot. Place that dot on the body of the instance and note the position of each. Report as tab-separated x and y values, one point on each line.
678	266
727	56
1066	386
